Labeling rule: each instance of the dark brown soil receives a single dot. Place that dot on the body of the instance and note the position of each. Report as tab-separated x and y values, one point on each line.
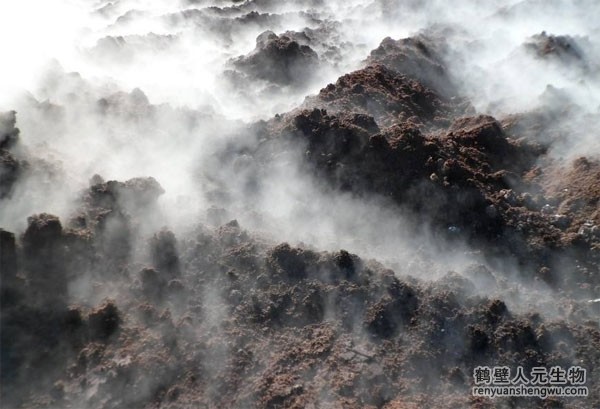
387	96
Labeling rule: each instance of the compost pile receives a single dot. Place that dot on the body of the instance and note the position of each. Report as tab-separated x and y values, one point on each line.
112	304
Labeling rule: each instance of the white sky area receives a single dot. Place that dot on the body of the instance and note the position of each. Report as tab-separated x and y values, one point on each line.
31	33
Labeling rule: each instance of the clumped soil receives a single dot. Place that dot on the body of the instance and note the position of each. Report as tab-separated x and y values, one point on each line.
220	316
279	59
245	323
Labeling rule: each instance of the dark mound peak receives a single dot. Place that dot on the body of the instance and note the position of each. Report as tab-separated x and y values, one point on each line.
486	135
386	95
41	230
112	212
293	262
45	251
573	55
267	37
10	169
9	133
10	166
143	190
563	48
495	147
467	125
418	57
104	321
136	193
310	120
327	40
279	59
9	282
331	136
284	261
153	284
